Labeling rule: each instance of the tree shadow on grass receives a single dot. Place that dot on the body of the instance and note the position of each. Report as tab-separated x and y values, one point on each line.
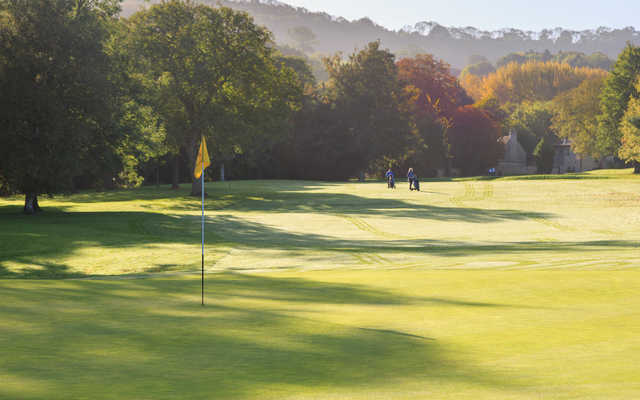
215	191
39	243
351	204
256	338
255	235
298	196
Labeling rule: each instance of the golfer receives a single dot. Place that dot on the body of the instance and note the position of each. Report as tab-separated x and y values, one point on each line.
390	179
411	177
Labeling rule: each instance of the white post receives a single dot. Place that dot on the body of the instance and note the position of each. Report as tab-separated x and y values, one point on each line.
202	177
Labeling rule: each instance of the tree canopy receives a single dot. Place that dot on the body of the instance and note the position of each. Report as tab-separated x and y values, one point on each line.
618	89
575	116
630	128
213	75
367	91
573	58
534	81
91	100
474	141
59	105
439	91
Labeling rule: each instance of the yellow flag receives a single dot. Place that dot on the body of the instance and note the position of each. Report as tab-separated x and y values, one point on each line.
202	161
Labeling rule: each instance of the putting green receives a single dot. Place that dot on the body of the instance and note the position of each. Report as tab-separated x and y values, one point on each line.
481	289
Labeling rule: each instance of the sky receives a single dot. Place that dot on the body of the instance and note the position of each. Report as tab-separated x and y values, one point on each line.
519	14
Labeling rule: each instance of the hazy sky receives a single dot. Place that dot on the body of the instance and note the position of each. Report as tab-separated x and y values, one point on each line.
488	14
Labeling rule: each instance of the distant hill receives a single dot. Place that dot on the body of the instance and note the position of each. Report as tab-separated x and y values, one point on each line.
454	45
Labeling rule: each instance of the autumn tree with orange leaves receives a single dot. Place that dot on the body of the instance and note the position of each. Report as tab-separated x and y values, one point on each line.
531	82
436	94
439	91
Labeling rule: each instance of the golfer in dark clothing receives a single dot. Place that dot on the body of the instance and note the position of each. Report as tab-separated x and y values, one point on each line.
391	184
412	177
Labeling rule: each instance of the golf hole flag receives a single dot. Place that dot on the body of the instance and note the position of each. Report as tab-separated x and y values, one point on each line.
202	162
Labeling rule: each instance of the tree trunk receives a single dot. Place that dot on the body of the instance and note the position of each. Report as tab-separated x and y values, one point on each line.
31	204
196	186
175	179
222	172
361	176
636	167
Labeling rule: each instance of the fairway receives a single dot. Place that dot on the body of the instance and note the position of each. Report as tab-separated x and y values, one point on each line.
512	288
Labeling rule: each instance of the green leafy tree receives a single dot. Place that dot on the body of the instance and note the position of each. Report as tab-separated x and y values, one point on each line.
368	95
480	69
213	74
492	106
630	128
618	89
143	136
58	107
301	67
428	147
315	61
575	116
319	147
532	121
544	154
474	140
600	60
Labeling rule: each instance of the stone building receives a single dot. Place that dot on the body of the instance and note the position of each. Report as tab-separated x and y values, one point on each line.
566	161
515	160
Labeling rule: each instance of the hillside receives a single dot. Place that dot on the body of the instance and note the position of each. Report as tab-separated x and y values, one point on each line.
454	45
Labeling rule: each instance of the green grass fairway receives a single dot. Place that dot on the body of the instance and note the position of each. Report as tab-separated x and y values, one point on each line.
515	288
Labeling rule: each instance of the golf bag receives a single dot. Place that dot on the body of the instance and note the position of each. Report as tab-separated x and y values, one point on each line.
416	184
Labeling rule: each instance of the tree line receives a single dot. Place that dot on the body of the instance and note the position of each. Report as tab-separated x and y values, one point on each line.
92	100
480	66
547	101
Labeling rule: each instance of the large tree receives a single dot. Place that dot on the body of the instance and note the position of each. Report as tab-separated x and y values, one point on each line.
368	97
619	88
474	140
214	75
630	128
435	95
439	89
544	154
575	116
532	121
534	81
58	101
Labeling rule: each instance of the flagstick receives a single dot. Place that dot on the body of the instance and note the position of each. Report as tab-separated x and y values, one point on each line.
203	233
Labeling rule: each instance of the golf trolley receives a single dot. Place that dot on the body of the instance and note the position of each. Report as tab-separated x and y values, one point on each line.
391	183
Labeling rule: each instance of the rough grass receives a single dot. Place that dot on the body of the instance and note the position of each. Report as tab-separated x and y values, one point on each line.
479	289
